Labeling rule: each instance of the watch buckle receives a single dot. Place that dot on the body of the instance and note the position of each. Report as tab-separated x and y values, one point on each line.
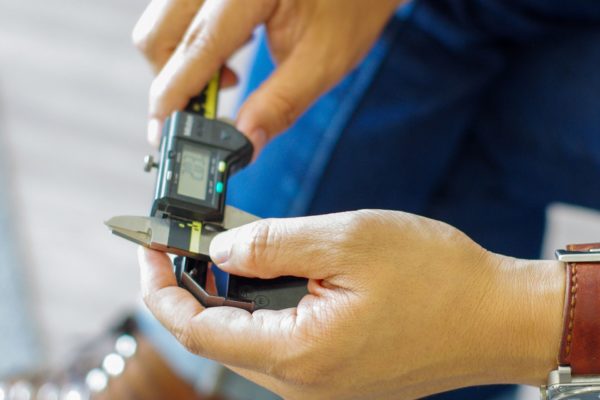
591	255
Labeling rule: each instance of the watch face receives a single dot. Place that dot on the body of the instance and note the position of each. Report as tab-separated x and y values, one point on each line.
591	392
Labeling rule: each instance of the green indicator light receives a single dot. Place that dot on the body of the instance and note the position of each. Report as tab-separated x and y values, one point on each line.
222	166
219	187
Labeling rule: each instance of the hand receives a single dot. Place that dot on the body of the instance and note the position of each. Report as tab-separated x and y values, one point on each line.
314	43
399	306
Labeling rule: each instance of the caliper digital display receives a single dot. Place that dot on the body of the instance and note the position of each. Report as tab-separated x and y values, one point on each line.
197	157
194	170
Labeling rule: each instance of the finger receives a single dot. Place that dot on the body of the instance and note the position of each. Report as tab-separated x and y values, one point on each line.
161	27
161	275
287	93
217	31
225	334
305	247
155	125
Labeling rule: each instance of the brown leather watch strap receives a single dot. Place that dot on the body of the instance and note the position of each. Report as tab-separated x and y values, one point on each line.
580	346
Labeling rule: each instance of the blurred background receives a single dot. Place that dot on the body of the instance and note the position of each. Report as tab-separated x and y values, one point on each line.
73	95
73	104
72	116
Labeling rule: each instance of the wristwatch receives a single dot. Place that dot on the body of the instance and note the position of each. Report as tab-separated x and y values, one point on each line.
578	374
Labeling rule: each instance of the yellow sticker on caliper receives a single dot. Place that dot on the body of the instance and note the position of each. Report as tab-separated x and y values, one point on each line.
196	229
212	93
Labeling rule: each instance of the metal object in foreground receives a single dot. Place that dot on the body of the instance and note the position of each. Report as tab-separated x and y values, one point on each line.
198	156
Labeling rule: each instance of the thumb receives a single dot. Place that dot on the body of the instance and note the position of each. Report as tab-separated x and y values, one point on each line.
285	95
304	247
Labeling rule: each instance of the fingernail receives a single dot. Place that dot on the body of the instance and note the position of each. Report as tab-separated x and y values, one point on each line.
220	247
154	132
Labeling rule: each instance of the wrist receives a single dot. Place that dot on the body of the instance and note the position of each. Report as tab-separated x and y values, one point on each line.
527	320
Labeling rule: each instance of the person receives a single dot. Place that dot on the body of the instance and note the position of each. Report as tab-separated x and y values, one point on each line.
455	110
476	113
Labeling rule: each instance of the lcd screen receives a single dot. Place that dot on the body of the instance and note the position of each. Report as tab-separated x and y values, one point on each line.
193	174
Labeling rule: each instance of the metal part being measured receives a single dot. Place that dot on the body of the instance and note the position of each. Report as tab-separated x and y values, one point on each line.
235	217
158	233
135	229
141	230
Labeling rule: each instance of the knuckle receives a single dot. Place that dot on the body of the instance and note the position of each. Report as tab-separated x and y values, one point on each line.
261	241
199	42
359	230
357	224
286	108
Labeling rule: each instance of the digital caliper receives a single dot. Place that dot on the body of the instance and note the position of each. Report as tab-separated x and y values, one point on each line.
198	155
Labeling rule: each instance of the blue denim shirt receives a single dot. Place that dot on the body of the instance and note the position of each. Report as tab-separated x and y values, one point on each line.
476	112
495	98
